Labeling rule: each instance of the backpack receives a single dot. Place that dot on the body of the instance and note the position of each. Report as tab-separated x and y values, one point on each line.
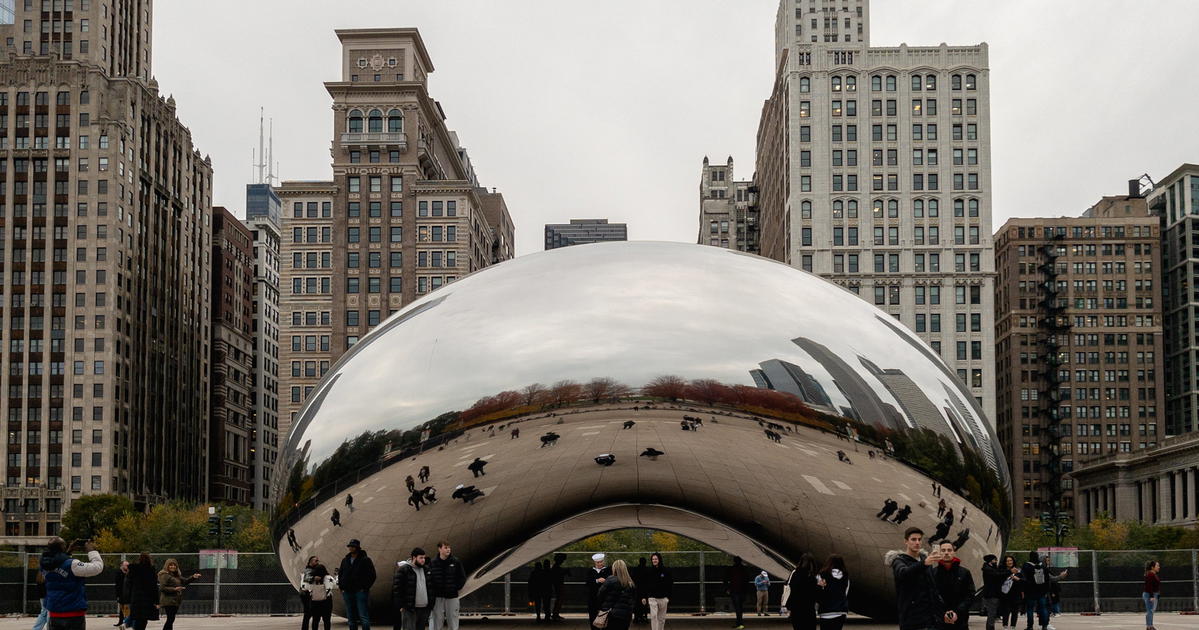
1007	585
1038	574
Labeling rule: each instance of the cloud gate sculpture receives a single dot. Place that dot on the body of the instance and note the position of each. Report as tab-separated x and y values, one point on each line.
786	411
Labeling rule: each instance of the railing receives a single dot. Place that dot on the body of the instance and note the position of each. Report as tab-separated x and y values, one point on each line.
376	137
1104	581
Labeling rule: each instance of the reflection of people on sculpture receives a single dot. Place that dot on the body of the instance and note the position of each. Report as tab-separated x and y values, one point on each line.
468	494
963	515
476	467
628	424
350	502
515	434
291	540
889	507
949	517
549	439
940	506
842	457
423	475
410	482
902	516
941	534
335	518
607	459
652	453
684	425
426	495
963	536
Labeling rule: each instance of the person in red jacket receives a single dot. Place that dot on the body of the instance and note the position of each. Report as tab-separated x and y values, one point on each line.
1153	587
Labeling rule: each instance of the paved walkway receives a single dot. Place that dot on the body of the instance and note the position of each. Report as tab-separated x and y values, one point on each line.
1163	621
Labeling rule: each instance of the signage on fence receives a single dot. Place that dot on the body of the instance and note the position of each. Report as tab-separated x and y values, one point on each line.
218	558
1060	557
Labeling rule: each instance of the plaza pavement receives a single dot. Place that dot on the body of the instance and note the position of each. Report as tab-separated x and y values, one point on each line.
1163	621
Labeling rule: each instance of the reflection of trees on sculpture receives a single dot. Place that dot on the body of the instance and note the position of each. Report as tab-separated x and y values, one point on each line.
963	470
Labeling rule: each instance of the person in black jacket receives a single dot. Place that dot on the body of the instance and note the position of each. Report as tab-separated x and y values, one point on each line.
446	578
355	578
557	582
956	588
657	590
141	586
596	577
1011	602
736	582
640	603
1035	576
410	592
118	585
993	579
617	596
537	585
833	601
918	602
801	592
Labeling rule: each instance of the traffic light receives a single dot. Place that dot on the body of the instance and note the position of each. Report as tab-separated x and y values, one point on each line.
228	525
214	525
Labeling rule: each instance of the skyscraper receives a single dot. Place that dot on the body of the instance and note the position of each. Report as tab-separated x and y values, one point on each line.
262	218
233	352
108	359
583	231
404	214
873	171
728	212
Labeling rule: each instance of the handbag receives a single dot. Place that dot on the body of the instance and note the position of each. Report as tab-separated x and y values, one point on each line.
601	619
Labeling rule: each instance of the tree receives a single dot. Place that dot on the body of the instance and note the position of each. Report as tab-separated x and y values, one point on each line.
666	386
565	392
91	514
534	394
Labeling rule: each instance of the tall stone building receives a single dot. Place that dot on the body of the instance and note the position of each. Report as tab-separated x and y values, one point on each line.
403	215
1175	200
874	171
106	240
233	352
583	231
262	219
1079	344
727	209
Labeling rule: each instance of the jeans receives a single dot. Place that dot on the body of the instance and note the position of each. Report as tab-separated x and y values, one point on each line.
1150	603
657	612
445	613
1041	606
42	617
357	610
414	618
991	606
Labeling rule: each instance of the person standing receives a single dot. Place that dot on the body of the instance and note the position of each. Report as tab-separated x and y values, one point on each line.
118	585
658	589
902	515
66	600
335	518
318	587
423	475
617	596
1151	592
993	579
955	585
350	502
558	584
596	578
1036	590
640	602
736	581
446	578
305	595
536	588
762	593
171	584
355	577
476	467
1012	593
801	593
832	605
410	592
918	602
141	586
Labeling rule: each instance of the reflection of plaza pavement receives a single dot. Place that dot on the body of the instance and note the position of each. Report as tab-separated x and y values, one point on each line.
795	491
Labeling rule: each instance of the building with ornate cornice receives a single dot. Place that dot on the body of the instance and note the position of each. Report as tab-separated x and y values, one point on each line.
105	234
403	215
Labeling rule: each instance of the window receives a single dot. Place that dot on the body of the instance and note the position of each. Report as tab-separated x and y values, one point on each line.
805	85
355	122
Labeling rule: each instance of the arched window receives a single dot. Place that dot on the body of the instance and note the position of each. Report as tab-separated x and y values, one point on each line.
959	208
805	209
852	209
973	206
851	84
933	208
374	121
970	82
395	121
878	208
917	83
354	122
893	209
955	82
805	84
836	84
930	81
918	208
890	83
838	209
876	83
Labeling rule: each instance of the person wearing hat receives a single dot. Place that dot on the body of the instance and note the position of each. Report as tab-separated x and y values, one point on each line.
762	593
595	579
355	578
993	579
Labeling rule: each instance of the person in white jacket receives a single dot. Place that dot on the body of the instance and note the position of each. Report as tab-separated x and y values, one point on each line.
317	586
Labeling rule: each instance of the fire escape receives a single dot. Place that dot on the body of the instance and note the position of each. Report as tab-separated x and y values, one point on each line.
1054	333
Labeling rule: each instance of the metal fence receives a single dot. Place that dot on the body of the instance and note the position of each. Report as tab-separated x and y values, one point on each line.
1104	581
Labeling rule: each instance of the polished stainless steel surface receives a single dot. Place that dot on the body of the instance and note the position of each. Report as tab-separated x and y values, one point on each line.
779	365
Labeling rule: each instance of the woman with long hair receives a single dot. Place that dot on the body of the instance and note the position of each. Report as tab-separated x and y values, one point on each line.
141	586
801	593
171	584
1153	587
833	602
658	587
617	596
1011	601
318	586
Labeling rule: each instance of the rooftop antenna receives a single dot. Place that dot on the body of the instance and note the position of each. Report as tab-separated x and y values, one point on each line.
270	154
261	162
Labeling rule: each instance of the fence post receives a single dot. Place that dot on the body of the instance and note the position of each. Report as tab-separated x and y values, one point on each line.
703	590
24	582
1095	580
216	587
1195	579
507	593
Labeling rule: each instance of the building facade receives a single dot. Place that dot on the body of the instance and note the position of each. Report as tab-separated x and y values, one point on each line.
728	214
1078	345
1175	200
877	176
582	231
1158	485
231	428
262	218
107	252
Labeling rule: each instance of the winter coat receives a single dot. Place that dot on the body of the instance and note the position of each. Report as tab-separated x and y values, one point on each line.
1028	573
834	597
593	587
446	577
736	579
63	579
993	578
659	583
118	586
617	599
311	579
956	588
356	574
800	595
404	584
167	583
918	601
141	587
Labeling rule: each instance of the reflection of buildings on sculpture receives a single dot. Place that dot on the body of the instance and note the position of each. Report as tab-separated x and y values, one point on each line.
787	377
921	411
865	404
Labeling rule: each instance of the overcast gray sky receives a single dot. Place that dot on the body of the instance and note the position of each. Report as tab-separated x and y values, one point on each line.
606	109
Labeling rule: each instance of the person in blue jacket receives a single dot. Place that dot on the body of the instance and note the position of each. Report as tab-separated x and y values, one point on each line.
66	600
